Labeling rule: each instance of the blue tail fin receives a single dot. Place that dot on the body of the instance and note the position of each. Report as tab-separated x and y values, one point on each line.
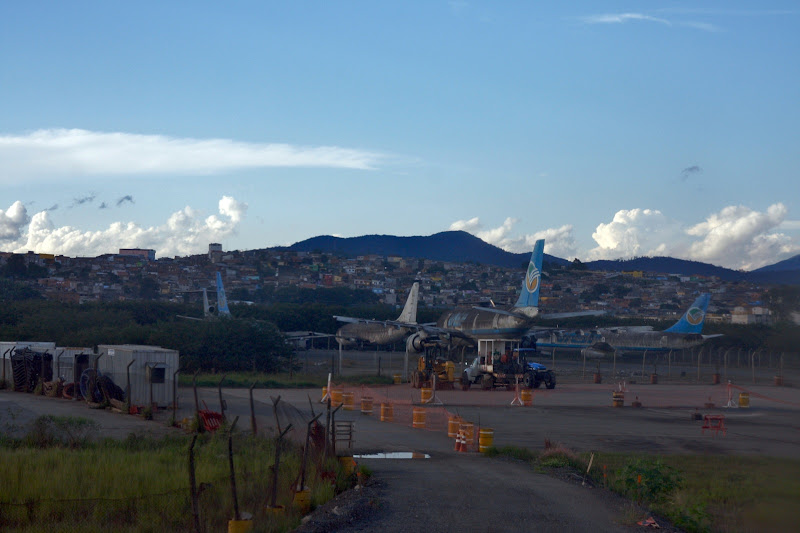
529	295
222	301
692	320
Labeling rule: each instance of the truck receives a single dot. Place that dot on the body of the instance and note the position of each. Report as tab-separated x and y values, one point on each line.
508	369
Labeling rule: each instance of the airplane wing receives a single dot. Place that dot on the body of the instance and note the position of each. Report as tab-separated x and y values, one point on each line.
395	323
573	314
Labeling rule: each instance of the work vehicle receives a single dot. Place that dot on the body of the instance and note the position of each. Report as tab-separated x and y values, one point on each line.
432	365
506	370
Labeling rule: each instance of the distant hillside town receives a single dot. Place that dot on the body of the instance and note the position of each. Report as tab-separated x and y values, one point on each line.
252	276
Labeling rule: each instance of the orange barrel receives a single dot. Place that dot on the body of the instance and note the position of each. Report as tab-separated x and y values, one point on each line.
426	393
469	431
349	400
617	398
366	405
336	397
397	378
349	464
526	395
302	501
418	418
240	526
485	439
744	399
453	424
387	412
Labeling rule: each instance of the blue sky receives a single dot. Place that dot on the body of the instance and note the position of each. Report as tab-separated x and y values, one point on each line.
612	129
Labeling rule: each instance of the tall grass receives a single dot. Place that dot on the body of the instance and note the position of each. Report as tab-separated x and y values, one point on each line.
140	484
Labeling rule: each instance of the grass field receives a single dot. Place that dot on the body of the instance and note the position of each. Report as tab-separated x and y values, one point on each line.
53	481
697	493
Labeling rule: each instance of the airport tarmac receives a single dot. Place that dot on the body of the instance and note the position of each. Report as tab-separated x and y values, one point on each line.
581	416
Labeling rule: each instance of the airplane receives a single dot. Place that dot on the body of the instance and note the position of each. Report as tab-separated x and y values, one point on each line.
685	333
209	311
299	340
465	326
380	332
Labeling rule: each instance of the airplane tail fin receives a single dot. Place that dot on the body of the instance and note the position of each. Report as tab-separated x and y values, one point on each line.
409	313
692	320
529	295
222	301
207	309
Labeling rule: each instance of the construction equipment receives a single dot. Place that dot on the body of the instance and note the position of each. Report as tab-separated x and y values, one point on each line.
430	364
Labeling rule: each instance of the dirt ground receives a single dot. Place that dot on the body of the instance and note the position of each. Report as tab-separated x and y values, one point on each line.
452	490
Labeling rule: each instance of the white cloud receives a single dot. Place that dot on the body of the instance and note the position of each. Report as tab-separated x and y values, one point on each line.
558	241
470	226
12	220
57	153
184	233
741	237
736	237
621	18
634	232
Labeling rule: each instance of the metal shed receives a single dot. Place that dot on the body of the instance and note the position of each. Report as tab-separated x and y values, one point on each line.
152	370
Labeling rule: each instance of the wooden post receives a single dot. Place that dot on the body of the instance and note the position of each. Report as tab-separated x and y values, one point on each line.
236	515
194	386
327	425
275	402
128	386
175	392
221	401
253	428
278	444
305	452
193	487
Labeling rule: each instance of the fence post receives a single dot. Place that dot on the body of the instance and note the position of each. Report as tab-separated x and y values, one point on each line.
193	487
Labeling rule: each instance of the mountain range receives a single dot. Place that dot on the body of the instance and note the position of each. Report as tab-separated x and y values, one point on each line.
463	247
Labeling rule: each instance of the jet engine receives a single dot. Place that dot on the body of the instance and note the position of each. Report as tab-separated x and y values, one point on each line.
416	342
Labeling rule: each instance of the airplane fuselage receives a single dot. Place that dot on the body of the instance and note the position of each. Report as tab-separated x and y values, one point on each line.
483	324
621	341
351	334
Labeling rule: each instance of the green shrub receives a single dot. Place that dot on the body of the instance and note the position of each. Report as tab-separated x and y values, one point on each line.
649	480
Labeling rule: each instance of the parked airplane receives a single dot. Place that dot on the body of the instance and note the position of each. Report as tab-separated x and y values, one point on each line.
462	326
360	330
465	326
211	312
685	333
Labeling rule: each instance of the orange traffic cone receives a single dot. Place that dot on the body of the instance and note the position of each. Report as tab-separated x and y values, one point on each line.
458	442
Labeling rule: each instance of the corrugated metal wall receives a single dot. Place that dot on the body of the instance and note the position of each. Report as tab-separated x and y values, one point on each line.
114	361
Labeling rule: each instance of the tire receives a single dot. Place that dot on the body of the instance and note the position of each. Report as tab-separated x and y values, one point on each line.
465	383
487	382
550	380
537	381
528	381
